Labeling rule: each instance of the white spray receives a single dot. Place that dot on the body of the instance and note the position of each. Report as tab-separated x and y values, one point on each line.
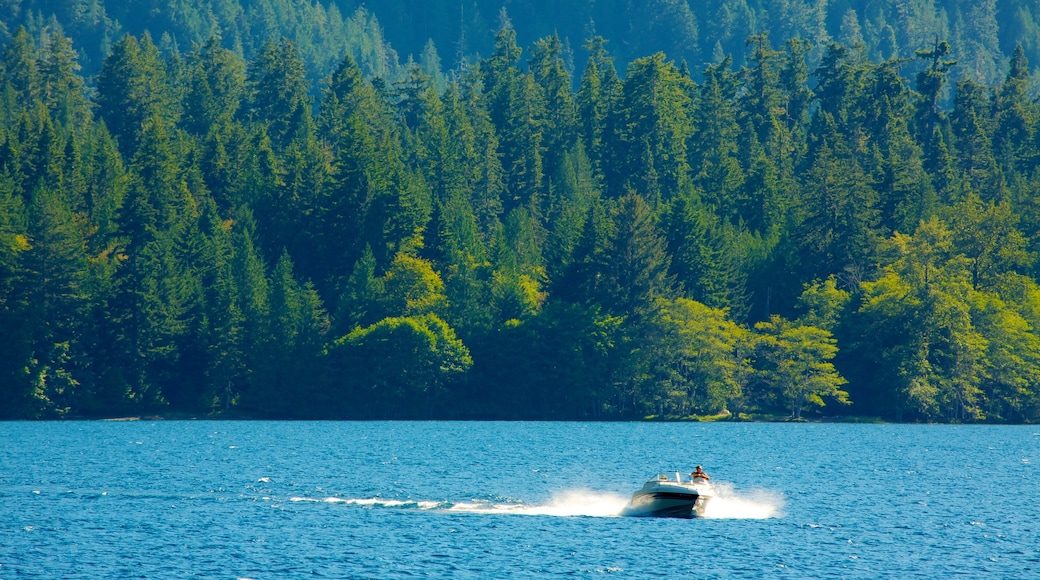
568	503
754	505
727	504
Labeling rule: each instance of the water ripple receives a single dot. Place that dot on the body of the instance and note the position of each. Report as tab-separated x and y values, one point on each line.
479	500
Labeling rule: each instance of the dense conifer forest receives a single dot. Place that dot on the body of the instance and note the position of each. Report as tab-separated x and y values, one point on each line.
590	210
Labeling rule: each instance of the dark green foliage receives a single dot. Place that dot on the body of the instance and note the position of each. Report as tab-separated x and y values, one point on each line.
706	259
646	136
278	96
62	88
265	213
634	266
21	70
54	271
216	87
515	106
19	397
838	214
133	90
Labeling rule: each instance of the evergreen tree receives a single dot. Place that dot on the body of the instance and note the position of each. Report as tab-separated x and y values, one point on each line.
905	193
929	119
250	283
559	122
649	131
516	105
600	87
171	249
359	303
287	380
839	217
703	259
54	271
133	89
106	184
760	105
19	66
277	93
713	148
971	121
635	262
1015	118
464	265
488	187
574	193
63	89
147	305
19	397
216	87
373	197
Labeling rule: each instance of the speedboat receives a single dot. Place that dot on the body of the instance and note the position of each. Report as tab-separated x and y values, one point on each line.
668	496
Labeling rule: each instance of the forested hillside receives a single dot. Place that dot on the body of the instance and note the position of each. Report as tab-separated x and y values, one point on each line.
280	223
452	34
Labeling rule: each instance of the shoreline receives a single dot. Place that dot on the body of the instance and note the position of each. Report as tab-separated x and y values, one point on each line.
742	418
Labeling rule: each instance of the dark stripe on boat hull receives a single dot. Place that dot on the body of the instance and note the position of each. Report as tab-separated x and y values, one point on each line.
671	495
667	504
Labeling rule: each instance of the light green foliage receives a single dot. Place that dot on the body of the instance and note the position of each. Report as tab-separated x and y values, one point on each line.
987	235
822	304
796	361
1012	360
515	296
708	362
412	288
399	365
956	347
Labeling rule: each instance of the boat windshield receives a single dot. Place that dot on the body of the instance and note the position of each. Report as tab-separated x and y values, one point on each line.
674	477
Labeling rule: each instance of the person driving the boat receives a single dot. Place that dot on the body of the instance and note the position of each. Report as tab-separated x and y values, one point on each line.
699	474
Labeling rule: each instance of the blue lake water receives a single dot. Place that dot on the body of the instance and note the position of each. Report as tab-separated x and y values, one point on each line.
173	499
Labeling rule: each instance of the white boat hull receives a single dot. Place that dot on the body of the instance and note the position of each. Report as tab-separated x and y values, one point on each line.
670	499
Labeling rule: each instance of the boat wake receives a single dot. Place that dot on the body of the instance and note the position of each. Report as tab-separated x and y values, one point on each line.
377	502
566	504
754	505
727	504
571	503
